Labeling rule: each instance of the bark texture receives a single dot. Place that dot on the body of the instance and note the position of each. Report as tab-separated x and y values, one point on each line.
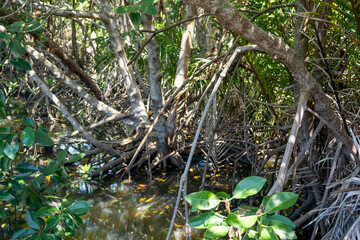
277	48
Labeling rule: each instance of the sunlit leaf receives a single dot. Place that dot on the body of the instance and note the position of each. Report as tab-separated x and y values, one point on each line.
216	231
16	27
241	221
280	201
76	157
28	136
203	200
52	221
284	232
248	186
80	207
11	150
267	234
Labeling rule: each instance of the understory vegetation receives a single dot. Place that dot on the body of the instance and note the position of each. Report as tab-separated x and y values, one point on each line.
269	87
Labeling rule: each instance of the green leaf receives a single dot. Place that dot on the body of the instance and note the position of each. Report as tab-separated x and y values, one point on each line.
199	220
52	168
248	186
5	196
135	18
241	222
2	112
5	163
32	26
46	211
268	234
16	27
122	10
76	157
214	220
26	168
23	233
147	2
284	232
28	121
4	36
203	200
281	220
224	195
28	136
42	138
20	64
52	221
18	47
133	8
150	10
80	207
2	98
2	214
32	221
61	156
216	232
11	150
280	201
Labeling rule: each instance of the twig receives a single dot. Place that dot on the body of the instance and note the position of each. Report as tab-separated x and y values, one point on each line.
280	181
270	8
159	31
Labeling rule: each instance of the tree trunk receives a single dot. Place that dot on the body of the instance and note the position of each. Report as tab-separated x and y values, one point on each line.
277	48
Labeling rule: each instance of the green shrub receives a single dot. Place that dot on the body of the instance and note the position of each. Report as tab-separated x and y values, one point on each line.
248	222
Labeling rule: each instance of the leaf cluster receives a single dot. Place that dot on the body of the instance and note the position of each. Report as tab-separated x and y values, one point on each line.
249	222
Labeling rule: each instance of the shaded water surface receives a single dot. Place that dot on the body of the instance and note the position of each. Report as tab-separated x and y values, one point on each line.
136	209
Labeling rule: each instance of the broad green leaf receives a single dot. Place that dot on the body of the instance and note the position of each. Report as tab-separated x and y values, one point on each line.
20	64
224	195
5	196
26	167
42	138
280	201
61	156
23	233
80	207
203	200
28	121
11	150
52	168
147	2
4	36
18	47
214	220
46	211
135	18
281	220
284	232
5	163
133	8
150	10
216	232
32	221
16	27
76	157
241	222
2	214
31	27
248	186
2	98
122	10
28	136
52	221
199	220
2	112
268	234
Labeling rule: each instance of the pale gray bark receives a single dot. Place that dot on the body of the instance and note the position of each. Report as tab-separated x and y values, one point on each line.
112	27
65	112
280	51
93	101
155	84
183	65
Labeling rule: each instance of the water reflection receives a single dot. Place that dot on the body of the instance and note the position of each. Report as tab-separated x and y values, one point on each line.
135	209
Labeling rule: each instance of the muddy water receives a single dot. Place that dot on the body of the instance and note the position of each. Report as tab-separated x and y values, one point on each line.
136	209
